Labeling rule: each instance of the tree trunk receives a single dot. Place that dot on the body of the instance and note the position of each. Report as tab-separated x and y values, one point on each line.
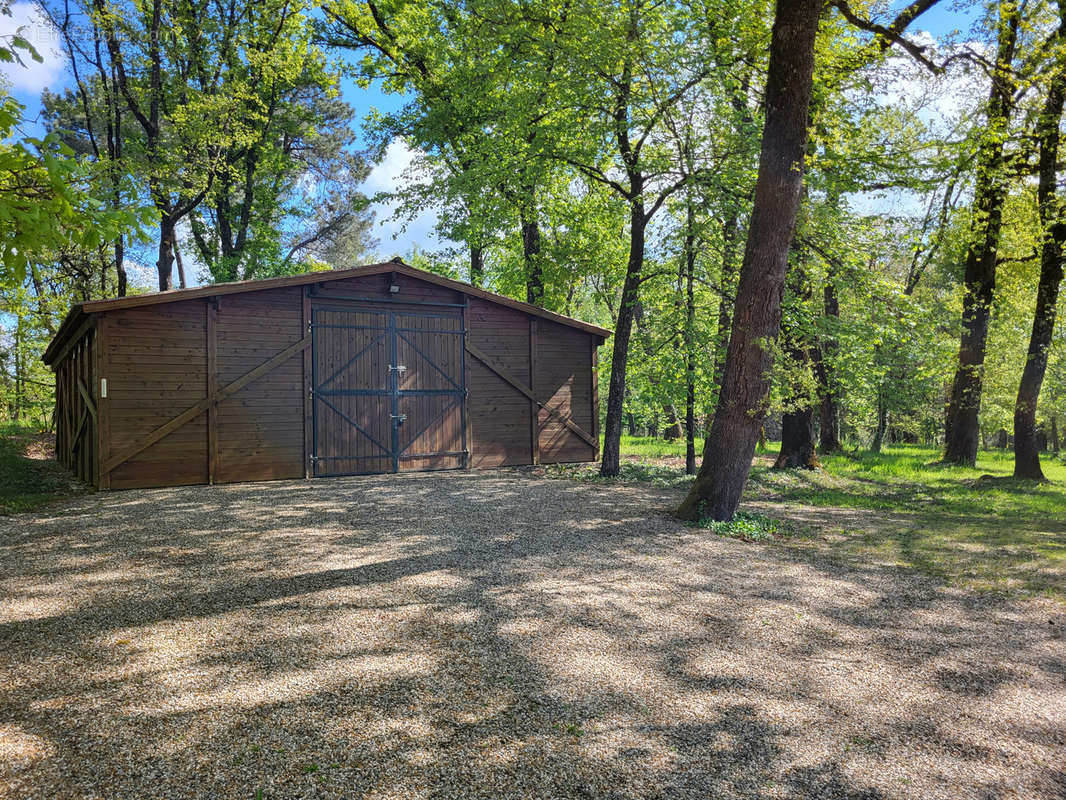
797	440
165	262
631	424
1054	434
120	266
477	266
690	342
673	424
961	436
612	426
730	446
797	425
531	254
730	231
1026	450
180	263
16	407
882	424
828	417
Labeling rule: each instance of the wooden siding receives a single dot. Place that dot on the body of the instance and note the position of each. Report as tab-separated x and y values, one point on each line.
499	415
261	427
377	287
218	389
157	368
564	374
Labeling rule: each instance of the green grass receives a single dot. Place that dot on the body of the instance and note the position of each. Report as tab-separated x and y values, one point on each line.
746	525
652	447
29	483
979	528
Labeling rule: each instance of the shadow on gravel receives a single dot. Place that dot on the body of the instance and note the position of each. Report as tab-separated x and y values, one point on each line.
492	635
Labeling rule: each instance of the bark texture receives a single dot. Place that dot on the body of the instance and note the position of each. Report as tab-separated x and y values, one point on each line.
690	340
477	265
797	440
623	332
531	254
962	432
1026	446
730	446
828	413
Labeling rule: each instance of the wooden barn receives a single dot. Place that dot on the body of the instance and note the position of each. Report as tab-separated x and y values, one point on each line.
382	368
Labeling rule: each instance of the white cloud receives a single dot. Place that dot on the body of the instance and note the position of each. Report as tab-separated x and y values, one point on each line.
50	72
397	235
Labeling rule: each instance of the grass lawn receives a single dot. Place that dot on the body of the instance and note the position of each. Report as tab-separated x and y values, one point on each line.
29	475
977	528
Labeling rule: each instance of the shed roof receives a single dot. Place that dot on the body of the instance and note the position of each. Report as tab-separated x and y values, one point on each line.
80	313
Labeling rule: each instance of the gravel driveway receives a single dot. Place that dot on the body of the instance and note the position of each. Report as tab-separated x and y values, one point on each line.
497	635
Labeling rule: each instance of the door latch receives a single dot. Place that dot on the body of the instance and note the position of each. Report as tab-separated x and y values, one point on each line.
399	418
397	368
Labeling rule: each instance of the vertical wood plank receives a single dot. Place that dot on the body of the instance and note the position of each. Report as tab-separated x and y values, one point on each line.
103	404
211	330
308	354
94	390
534	409
468	446
595	363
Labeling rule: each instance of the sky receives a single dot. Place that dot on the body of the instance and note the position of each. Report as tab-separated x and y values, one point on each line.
395	236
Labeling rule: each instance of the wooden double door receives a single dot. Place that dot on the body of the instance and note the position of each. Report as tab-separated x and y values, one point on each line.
389	390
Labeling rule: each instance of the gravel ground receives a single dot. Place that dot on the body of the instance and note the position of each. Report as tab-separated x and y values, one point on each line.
497	635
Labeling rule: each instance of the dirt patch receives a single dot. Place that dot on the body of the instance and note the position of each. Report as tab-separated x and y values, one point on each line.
497	635
40	447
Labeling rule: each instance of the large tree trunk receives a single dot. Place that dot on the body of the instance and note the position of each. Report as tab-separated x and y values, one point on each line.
623	331
797	440
962	433
1026	450
730	446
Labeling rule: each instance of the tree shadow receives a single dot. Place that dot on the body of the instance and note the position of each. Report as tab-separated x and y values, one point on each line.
490	635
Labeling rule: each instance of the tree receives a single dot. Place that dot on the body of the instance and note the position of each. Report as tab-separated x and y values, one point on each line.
202	100
962	430
49	201
289	194
757	316
1053	239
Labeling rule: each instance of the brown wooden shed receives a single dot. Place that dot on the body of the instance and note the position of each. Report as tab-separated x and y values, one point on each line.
382	368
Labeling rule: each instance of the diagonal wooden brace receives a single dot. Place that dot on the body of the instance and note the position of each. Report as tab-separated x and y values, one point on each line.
485	359
202	406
